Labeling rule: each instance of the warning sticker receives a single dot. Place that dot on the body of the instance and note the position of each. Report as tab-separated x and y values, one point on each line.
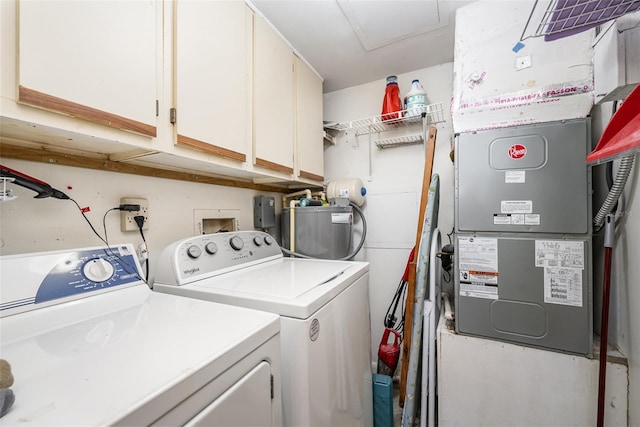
516	206
563	286
478	267
559	253
516	219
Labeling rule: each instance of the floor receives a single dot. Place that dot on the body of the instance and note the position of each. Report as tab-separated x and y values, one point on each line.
397	410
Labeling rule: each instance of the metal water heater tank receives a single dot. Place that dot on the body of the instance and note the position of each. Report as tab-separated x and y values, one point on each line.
320	231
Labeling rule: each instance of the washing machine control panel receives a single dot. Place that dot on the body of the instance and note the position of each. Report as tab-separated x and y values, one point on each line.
209	255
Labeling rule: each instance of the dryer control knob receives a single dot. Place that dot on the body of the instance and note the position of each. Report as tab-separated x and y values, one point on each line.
236	243
98	270
193	251
211	248
268	240
257	240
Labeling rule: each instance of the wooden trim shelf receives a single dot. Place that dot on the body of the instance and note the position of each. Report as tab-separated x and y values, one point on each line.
69	108
185	141
311	176
273	166
49	157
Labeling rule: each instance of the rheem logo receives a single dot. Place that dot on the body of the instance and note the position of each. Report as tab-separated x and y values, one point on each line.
517	151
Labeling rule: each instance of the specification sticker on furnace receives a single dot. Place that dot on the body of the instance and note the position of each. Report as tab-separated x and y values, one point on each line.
516	206
563	264
563	286
560	253
478	267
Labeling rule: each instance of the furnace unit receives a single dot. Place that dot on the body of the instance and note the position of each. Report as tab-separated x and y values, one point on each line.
523	235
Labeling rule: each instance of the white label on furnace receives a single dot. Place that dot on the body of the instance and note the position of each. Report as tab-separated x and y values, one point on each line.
517	219
341	218
563	286
559	253
478	264
479	290
532	219
515	177
516	206
501	219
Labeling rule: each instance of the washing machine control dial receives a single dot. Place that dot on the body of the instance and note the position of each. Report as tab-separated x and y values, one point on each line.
98	270
236	243
211	248
268	240
257	240
193	251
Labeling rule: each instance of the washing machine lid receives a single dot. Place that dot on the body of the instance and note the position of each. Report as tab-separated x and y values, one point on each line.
123	357
290	287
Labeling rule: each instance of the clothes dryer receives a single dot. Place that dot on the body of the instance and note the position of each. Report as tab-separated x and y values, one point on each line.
89	344
324	309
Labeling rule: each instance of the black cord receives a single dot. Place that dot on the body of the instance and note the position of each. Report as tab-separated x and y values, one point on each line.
104	224
139	219
89	222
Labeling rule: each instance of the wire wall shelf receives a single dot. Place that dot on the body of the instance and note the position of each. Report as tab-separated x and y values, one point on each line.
434	114
560	18
400	141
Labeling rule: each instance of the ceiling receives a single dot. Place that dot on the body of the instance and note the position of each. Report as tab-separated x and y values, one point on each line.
350	42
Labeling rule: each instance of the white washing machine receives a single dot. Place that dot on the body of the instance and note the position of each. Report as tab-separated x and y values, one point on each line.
90	345
324	308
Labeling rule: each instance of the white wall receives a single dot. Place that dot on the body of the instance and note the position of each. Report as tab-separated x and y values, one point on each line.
394	182
33	225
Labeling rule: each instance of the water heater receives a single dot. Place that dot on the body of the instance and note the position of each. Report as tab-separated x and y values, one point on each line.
324	231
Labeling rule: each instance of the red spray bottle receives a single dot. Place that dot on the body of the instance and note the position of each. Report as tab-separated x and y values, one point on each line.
391	105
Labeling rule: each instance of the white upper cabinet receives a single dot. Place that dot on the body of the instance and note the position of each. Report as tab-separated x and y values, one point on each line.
273	99
94	60
309	143
212	77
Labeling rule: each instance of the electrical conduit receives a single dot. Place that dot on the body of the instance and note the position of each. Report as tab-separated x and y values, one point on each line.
626	164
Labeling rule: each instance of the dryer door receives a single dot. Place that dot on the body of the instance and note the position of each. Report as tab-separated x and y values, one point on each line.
246	403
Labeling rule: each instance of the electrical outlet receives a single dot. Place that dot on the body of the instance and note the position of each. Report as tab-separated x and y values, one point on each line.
127	223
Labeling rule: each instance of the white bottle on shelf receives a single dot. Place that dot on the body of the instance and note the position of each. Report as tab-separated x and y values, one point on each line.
415	101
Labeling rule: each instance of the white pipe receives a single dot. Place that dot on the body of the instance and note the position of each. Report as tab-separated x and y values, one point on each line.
297	193
292	225
448	311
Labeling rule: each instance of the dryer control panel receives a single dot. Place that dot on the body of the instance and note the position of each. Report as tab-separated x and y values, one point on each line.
209	255
37	280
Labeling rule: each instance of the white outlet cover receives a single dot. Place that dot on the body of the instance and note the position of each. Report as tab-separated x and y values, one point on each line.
523	62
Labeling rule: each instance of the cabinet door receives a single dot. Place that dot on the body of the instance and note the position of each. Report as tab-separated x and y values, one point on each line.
309	144
246	403
273	99
212	76
94	60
